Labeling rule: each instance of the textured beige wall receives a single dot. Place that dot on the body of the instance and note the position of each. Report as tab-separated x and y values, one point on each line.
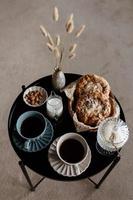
105	48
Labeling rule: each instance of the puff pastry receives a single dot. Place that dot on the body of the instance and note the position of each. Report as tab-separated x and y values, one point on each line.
92	109
92	84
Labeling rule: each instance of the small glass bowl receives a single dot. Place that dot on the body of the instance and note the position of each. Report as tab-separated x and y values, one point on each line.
120	128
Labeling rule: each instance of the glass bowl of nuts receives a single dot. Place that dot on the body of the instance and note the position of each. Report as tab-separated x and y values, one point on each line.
35	96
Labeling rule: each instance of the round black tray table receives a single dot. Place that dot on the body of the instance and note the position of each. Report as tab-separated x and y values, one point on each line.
38	161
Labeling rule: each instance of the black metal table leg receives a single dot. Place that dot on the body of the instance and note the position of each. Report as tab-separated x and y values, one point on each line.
21	164
115	161
23	168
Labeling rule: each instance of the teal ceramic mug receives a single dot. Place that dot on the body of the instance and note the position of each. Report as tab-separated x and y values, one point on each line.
31	126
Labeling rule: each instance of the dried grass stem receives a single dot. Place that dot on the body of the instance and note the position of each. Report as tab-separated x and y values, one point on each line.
56	14
80	31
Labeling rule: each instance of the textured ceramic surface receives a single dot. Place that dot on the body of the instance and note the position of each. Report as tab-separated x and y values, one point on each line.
36	144
27	115
77	137
58	79
65	169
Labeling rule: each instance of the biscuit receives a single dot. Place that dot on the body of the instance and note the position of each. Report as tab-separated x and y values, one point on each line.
92	109
92	84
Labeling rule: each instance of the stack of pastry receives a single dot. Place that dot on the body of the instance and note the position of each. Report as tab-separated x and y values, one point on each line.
92	100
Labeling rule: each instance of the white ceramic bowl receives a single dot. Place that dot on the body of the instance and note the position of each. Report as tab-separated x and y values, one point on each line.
35	88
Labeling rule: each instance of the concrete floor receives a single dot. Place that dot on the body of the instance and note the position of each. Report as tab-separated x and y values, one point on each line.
105	48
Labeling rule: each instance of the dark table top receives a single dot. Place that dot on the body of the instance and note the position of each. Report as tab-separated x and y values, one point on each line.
38	161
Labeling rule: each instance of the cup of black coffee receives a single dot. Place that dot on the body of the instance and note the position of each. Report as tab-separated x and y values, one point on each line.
30	126
72	148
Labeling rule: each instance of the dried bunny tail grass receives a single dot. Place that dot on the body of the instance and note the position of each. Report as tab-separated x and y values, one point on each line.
56	14
50	39
72	56
51	47
72	48
70	24
80	31
58	40
70	27
69	19
56	52
43	30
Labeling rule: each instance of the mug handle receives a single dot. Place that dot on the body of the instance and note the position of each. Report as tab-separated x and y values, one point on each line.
77	169
27	144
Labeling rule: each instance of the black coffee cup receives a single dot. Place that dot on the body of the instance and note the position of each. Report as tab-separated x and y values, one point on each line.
72	148
31	125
